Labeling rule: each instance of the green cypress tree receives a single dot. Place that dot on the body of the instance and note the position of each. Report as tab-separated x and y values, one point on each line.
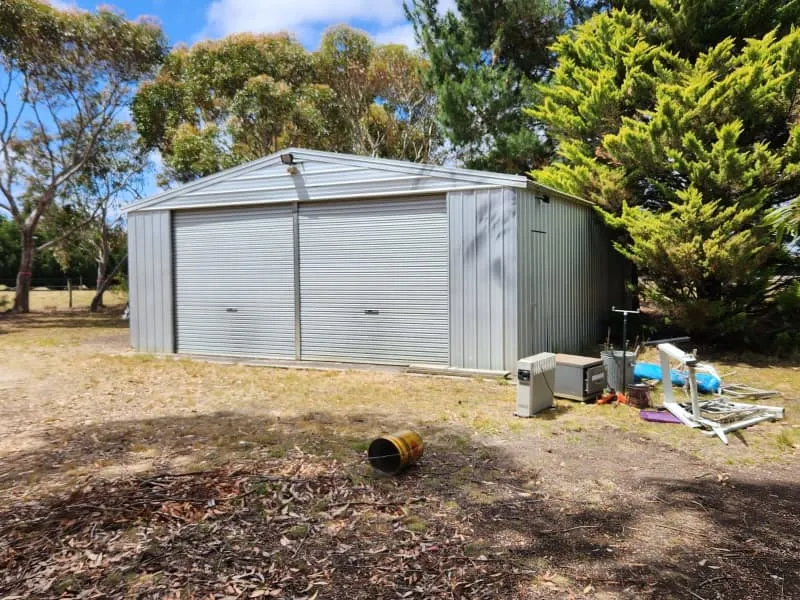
693	26
688	158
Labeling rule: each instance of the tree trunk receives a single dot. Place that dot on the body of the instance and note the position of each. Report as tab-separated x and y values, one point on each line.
97	301
102	268
24	274
108	280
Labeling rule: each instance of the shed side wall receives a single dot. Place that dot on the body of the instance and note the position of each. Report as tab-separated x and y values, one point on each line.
150	281
483	279
568	275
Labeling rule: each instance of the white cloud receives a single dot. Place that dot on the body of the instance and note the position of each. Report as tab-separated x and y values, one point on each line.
231	16
400	34
403	32
62	4
385	18
446	5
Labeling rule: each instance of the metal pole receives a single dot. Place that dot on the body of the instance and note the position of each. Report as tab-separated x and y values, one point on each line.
666	378
624	352
625	314
69	289
691	366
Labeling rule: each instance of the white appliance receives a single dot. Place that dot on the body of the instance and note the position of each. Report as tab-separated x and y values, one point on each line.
536	377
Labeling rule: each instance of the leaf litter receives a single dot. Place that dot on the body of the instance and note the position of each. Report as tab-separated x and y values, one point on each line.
299	527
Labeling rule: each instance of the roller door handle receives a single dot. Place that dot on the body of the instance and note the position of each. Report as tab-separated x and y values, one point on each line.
372	311
231	310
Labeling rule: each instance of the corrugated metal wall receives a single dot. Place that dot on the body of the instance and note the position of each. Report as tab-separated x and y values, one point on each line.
150	281
483	279
373	281
234	281
569	275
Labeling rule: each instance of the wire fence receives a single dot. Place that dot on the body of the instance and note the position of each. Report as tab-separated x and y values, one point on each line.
51	284
55	294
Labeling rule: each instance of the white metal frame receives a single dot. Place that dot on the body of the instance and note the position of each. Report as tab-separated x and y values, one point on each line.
749	414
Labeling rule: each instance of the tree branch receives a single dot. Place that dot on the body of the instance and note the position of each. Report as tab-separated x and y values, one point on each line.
11	205
68	233
4	104
114	271
46	143
7	132
101	207
108	113
5	138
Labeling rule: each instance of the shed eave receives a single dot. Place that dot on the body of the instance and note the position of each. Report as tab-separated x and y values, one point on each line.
155	199
324	198
410	168
541	188
477	179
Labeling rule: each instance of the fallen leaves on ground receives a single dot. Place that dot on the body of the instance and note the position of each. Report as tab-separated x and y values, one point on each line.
296	528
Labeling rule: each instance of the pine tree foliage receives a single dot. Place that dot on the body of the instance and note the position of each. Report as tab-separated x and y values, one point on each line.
688	158
486	58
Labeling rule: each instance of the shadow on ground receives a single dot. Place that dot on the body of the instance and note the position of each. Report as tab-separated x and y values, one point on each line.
119	489
110	317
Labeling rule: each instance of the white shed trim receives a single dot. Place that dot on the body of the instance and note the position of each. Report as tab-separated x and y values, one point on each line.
461	178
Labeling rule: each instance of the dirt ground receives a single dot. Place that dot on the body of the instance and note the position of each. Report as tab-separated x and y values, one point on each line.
128	475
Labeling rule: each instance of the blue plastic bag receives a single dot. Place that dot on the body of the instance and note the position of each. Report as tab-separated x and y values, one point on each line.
706	382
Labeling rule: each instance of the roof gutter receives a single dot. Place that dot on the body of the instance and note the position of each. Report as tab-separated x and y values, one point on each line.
535	186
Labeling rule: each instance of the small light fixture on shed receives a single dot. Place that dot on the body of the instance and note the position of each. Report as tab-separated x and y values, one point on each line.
546	199
287	159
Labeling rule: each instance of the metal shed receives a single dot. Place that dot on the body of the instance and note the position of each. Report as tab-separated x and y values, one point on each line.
330	257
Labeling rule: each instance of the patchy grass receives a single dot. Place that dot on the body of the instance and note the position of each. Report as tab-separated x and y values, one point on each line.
58	300
762	445
68	357
582	498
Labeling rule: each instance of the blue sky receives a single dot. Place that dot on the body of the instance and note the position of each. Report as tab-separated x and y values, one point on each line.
191	20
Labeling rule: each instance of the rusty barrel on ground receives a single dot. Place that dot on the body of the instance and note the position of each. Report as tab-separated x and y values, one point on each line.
393	453
639	395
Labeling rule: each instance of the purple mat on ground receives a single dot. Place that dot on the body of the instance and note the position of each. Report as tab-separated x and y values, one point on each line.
659	416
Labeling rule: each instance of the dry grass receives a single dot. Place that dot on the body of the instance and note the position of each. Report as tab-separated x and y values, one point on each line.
71	379
766	444
58	300
79	406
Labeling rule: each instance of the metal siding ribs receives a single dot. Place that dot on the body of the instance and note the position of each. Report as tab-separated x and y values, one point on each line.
374	281
234	282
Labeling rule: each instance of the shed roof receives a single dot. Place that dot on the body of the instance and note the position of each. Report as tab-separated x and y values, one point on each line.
329	175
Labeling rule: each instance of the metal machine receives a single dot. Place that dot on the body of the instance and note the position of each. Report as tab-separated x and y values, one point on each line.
580	378
535	382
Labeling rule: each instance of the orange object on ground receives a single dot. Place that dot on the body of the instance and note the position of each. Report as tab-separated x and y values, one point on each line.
612	396
606	398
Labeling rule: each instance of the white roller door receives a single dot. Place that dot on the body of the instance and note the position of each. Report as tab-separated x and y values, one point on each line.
374	281
234	281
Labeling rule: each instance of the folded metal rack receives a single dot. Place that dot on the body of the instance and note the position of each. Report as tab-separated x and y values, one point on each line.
719	416
740	391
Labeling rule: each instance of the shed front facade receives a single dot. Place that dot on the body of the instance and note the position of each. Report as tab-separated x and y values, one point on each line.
343	258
